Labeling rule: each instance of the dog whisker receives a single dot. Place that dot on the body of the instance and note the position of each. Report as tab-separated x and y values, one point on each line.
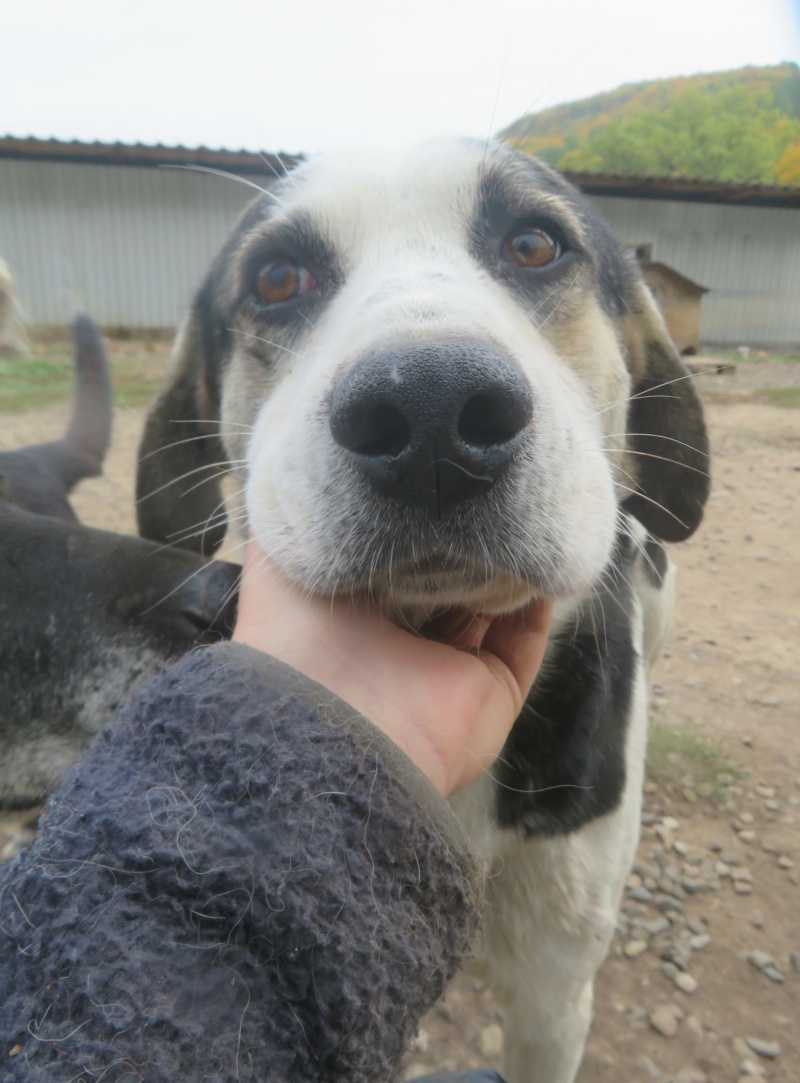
223	173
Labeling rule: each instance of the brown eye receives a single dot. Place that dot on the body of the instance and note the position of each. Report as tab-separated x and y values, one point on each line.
531	247
283	281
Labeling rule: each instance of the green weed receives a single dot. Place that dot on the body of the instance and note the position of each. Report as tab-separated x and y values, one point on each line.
679	756
787	397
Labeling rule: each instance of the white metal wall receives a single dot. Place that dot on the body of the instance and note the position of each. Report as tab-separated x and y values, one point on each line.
127	245
130	244
748	257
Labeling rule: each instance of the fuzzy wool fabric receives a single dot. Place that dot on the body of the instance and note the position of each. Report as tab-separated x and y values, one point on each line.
243	880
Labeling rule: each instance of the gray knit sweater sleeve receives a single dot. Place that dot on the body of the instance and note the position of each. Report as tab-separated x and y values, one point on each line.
242	880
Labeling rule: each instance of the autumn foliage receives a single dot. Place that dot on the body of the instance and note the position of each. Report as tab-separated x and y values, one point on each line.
741	126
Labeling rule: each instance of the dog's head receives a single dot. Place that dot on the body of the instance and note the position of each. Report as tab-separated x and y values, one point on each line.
438	378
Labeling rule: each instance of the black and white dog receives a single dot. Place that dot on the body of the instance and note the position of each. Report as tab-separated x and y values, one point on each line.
441	383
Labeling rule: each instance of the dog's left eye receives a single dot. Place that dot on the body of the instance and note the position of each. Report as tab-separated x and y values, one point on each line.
531	247
283	281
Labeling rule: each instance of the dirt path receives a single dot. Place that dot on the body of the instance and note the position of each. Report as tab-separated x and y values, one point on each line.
720	853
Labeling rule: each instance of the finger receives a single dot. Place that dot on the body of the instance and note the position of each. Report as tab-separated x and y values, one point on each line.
518	641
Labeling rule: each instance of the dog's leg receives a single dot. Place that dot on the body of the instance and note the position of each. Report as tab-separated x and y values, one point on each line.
550	919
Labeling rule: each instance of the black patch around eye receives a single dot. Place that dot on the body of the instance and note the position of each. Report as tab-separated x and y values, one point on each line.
499	208
498	217
294	241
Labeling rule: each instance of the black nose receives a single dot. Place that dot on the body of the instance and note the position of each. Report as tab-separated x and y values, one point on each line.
432	425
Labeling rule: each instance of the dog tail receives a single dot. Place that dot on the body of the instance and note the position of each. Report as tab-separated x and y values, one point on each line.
89	434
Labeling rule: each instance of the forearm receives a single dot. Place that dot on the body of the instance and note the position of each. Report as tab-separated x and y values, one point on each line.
242	880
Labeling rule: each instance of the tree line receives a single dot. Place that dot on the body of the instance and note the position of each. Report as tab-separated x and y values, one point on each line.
741	126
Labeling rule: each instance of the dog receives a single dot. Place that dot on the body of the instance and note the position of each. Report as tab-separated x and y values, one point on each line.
442	383
88	614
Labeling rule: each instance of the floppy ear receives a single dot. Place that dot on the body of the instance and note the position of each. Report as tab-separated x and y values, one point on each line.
178	493
668	437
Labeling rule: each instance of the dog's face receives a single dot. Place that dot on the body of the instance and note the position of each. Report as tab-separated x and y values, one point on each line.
424	369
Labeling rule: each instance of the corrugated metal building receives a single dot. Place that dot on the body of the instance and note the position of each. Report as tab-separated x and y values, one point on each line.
103	228
108	230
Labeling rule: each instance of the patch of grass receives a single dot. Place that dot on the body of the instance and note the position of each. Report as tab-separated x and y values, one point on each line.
732	354
787	397
680	757
29	383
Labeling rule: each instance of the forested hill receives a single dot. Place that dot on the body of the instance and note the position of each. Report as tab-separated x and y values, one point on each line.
741	125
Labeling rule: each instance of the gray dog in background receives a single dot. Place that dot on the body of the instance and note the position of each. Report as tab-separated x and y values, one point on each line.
87	614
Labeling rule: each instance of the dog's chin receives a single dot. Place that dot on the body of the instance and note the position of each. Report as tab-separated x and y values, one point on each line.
422	596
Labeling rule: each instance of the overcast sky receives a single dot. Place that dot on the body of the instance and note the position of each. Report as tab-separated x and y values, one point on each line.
305	76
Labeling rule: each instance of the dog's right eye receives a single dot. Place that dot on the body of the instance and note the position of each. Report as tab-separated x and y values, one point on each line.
531	247
283	281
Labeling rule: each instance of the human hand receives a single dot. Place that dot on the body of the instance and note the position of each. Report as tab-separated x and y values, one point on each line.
447	697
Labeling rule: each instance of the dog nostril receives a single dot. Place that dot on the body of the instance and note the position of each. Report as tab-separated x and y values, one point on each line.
375	431
491	417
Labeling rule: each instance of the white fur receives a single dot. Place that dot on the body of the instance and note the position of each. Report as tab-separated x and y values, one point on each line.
401	231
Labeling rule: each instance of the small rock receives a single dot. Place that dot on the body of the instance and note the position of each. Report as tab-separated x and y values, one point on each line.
675	953
665	835
748	836
774	974
667	905
690	1075
748	741
668	887
686	983
656	926
772	806
764	1048
742	888
690	884
757	919
785	862
759	959
794	959
730	857
747	818
696	926
694	1025
722	869
689	794
670	822
742	874
680	848
700	942
640	894
652	1072
491	1042
765	791
751	1068
634	909
634	948
665	1020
